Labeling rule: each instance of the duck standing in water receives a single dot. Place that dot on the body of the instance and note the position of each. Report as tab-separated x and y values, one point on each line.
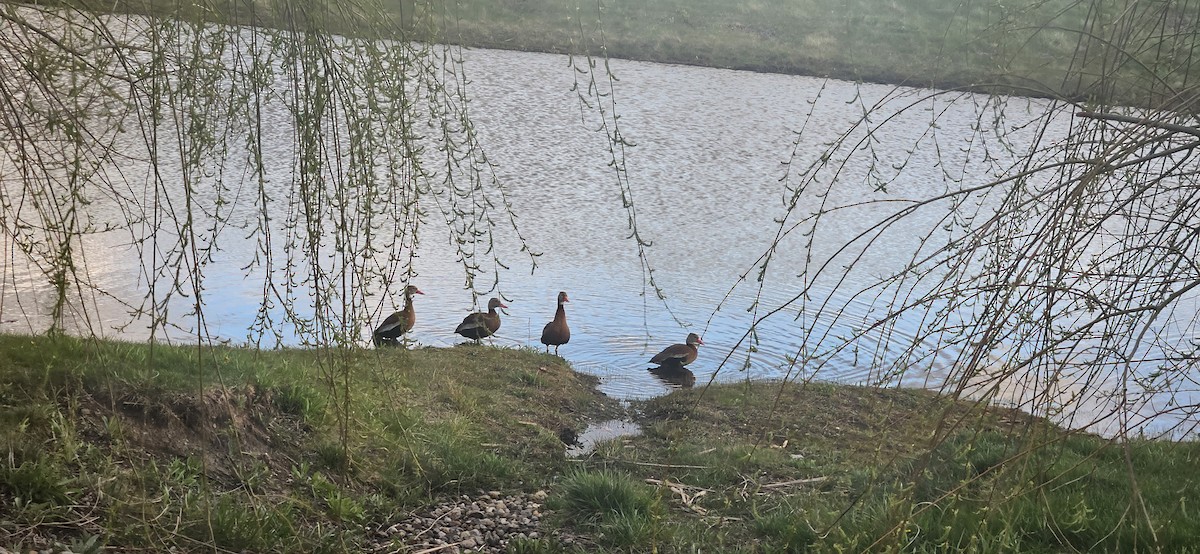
556	333
399	322
479	325
679	354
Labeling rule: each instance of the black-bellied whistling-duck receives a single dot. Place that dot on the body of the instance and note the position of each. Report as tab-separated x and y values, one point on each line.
399	322
479	325
679	354
556	333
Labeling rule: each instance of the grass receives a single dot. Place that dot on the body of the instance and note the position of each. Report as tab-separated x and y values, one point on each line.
841	468
1033	48
157	447
1057	48
133	447
620	512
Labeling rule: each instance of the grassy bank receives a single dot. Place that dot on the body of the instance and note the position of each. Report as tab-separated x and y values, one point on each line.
145	448
1058	48
1055	48
917	42
172	446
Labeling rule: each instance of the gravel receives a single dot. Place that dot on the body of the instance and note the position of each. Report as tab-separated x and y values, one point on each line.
485	523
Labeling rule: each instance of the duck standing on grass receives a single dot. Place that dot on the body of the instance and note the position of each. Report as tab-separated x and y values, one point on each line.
556	333
399	322
679	354
479	325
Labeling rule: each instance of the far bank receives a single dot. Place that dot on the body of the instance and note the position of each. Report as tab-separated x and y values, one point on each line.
1058	49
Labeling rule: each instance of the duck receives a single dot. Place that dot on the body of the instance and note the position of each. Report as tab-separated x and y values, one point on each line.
556	333
679	354
399	322
479	325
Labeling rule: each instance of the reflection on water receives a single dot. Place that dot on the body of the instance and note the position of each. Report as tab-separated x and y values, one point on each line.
706	178
674	375
600	432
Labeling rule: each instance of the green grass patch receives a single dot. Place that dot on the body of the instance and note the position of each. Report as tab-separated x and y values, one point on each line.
137	447
622	513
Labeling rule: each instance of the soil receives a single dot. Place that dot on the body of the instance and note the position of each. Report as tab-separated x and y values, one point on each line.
225	428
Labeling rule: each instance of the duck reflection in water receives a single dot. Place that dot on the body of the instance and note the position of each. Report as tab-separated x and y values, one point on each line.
674	375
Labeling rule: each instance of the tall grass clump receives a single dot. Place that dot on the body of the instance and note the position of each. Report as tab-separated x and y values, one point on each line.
447	458
622	512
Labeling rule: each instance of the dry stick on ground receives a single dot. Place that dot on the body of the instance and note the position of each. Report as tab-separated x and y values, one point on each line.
807	481
687	500
651	464
669	483
437	548
432	525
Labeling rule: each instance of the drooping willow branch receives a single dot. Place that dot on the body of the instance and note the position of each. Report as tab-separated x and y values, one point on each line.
1164	125
303	142
597	92
1061	278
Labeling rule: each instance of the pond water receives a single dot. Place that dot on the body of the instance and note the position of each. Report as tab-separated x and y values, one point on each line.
711	148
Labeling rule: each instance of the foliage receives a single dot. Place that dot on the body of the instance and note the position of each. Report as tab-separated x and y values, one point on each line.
88	92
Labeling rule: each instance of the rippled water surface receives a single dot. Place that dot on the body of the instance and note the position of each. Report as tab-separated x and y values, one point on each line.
709	154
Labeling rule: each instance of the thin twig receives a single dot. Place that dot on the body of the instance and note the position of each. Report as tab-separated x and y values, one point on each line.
1194	131
436	548
652	464
674	484
782	484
